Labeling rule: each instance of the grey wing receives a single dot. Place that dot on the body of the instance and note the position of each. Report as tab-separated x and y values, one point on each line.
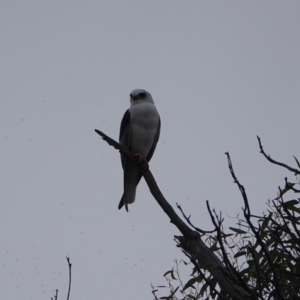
124	137
132	175
150	154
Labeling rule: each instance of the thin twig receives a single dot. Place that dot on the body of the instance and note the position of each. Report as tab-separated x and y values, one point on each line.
189	221
55	296
290	186
247	215
268	157
232	272
116	145
70	265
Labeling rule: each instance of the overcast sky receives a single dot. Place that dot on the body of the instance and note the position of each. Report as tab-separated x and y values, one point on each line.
220	73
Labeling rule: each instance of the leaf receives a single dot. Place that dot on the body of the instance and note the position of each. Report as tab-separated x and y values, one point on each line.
241	253
226	235
190	283
286	189
168	272
295	209
237	230
171	295
289	203
203	289
214	247
265	223
171	272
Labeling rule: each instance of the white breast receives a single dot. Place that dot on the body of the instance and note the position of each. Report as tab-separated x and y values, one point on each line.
144	125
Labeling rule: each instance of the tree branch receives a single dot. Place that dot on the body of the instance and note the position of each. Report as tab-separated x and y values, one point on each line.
268	157
247	215
70	265
190	223
55	296
201	273
190	241
231	271
154	189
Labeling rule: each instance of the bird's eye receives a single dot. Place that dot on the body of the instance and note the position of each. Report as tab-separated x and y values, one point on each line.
131	96
142	95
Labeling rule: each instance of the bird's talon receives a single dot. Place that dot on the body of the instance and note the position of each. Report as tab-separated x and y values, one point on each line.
141	159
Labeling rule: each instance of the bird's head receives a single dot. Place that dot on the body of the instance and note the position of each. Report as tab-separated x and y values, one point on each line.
139	95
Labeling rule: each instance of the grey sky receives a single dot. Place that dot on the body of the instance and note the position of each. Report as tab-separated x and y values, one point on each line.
219	72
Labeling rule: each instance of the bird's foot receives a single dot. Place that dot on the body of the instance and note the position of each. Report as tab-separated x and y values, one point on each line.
141	159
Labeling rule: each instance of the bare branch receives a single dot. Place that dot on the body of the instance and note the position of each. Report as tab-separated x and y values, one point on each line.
268	157
190	223
247	215
190	241
55	296
232	272
289	185
70	265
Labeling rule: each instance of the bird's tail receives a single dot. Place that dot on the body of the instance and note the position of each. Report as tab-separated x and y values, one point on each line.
127	199
132	177
122	203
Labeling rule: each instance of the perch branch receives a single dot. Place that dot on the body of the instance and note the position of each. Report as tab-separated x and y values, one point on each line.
154	189
190	241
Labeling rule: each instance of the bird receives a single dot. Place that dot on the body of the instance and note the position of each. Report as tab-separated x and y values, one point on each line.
139	133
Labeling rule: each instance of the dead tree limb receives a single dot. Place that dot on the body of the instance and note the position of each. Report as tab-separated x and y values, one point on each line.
190	241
